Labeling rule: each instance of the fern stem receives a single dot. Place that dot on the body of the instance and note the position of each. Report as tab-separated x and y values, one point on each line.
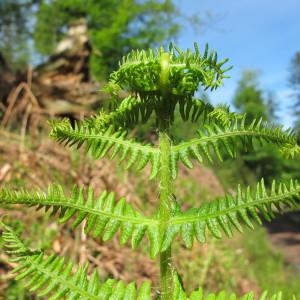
165	209
166	282
165	214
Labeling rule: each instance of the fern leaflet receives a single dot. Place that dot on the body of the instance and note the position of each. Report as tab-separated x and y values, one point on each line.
214	136
131	111
229	212
100	143
103	214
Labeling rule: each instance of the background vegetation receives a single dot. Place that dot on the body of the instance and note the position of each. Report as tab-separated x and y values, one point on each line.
30	31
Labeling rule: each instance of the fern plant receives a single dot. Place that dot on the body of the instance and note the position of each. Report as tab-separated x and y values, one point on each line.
158	82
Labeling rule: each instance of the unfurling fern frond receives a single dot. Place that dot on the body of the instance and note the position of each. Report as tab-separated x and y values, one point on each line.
230	212
101	143
140	71
104	216
56	279
131	111
215	136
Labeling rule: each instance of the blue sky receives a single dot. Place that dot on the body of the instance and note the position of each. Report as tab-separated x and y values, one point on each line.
255	34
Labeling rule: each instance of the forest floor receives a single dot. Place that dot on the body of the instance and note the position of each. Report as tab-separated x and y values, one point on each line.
285	234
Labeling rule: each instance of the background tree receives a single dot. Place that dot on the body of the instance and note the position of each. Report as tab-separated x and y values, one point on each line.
115	27
249	98
294	80
14	32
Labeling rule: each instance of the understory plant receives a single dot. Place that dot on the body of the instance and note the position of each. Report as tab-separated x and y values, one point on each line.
158	83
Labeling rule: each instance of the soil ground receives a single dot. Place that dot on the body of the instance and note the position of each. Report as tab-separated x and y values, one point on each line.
285	233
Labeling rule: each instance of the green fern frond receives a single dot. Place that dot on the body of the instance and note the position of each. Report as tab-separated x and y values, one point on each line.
180	294
192	109
134	110
54	278
290	151
140	70
214	136
159	81
14	245
100	143
104	216
131	111
223	115
230	212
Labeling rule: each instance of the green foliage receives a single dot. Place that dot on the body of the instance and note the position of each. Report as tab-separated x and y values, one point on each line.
99	144
160	83
105	216
115	27
53	277
294	81
266	162
16	291
140	72
227	213
270	163
249	98
215	136
264	258
131	111
14	32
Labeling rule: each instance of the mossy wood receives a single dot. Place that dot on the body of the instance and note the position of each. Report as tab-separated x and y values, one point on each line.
158	82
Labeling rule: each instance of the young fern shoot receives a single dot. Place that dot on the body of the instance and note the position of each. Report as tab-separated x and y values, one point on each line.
157	82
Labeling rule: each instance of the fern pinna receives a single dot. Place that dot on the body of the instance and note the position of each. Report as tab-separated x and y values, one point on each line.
157	82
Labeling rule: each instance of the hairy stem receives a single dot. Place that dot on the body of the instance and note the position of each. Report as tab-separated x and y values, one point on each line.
165	214
165	209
